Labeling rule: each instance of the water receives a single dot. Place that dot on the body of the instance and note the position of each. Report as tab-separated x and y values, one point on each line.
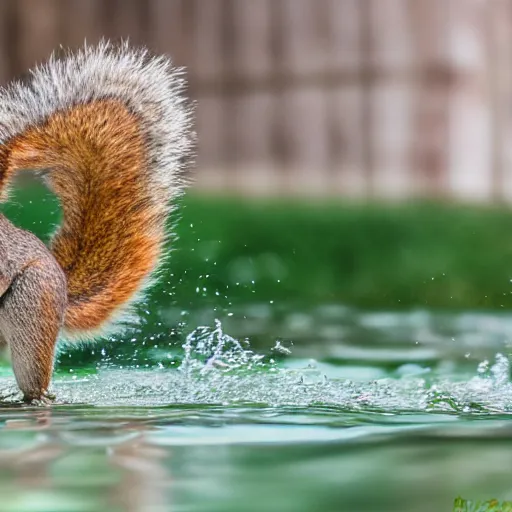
325	409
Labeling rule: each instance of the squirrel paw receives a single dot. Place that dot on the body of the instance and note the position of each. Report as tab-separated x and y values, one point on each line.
44	400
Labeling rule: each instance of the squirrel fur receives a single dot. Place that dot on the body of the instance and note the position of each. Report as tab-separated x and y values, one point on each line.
110	130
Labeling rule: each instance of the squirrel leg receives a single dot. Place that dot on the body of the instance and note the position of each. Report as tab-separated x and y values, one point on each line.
4	354
31	314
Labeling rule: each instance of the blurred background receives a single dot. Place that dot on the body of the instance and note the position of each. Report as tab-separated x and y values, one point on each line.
358	98
351	151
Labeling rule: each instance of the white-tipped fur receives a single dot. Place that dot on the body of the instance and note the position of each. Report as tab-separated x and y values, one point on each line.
148	85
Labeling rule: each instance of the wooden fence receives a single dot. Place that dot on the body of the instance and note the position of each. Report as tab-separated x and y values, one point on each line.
362	98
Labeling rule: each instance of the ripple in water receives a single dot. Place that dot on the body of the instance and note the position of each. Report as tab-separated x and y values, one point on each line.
218	369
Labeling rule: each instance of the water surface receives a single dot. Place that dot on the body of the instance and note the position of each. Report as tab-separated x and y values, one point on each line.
324	409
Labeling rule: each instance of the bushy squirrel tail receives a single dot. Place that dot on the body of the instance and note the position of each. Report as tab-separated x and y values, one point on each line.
110	129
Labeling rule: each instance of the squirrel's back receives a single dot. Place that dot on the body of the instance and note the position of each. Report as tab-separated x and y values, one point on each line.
110	129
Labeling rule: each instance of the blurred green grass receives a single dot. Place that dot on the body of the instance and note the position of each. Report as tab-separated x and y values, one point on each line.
232	251
462	505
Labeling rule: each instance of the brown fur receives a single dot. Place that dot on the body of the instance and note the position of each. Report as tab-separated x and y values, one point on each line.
32	307
98	166
108	243
110	130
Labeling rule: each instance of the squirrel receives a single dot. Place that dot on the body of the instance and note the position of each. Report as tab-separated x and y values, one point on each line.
110	130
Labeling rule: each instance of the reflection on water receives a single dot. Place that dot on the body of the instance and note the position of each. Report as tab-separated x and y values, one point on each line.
398	412
123	465
52	471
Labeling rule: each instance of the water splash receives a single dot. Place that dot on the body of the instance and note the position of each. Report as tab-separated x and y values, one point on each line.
207	349
217	369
